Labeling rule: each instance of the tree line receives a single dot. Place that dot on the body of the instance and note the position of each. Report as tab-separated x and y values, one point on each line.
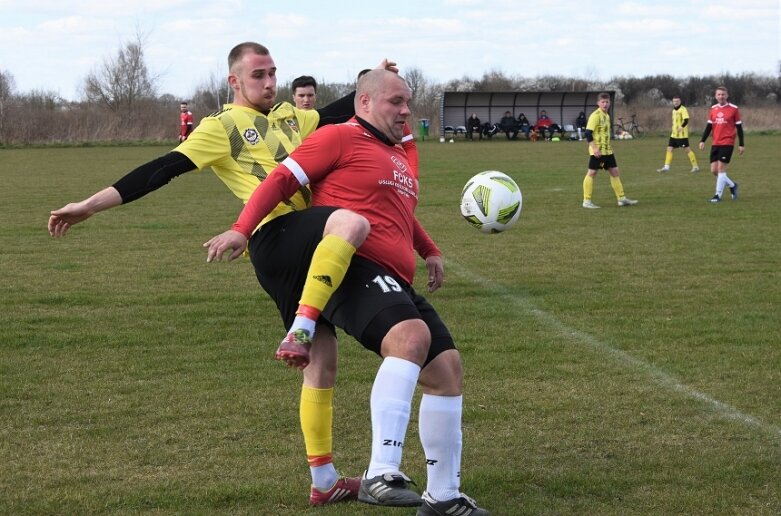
120	99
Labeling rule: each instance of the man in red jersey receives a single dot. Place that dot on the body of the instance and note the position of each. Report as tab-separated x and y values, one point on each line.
185	122
358	166
724	120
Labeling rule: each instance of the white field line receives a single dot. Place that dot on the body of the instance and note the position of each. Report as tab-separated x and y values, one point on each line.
620	356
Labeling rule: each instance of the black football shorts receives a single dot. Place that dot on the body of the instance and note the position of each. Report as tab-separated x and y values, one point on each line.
371	301
281	251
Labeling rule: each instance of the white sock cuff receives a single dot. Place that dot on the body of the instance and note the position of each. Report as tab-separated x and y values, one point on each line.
441	403
396	379
401	367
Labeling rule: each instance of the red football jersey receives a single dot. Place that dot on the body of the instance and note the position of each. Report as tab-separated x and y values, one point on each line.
187	119
723	120
349	167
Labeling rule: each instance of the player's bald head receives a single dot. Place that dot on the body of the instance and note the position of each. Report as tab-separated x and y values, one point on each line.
374	81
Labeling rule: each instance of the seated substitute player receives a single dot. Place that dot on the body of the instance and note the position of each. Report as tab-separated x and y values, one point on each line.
679	137
509	126
601	154
524	125
580	124
724	120
242	143
358	166
545	125
474	127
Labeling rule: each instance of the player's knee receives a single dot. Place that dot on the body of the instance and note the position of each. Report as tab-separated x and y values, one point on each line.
444	375
409	340
350	226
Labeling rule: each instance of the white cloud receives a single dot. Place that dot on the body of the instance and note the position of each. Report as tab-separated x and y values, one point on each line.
187	40
11	35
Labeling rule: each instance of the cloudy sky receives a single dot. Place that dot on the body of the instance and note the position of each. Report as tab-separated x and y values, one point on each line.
52	45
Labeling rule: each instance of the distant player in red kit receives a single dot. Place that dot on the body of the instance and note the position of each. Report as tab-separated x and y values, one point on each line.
724	120
186	122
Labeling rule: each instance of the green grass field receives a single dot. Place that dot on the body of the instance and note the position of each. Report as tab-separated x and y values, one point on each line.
618	361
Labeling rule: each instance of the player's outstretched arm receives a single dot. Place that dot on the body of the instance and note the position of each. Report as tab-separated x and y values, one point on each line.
230	240
133	185
61	220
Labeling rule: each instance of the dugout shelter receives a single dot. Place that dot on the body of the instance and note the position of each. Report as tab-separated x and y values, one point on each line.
562	107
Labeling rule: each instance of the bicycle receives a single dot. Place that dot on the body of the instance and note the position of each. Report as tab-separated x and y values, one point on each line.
633	128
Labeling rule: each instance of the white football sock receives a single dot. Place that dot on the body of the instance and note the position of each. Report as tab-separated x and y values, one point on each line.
303	323
440	435
723	180
391	403
324	477
719	184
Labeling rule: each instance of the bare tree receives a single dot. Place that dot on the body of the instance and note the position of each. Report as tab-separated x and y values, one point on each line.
495	80
328	92
121	82
211	94
425	96
415	80
7	85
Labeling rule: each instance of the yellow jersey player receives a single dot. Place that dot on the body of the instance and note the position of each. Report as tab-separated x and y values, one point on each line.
601	155
242	143
679	137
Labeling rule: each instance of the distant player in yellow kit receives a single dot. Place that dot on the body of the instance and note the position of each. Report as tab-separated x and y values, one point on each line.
679	137
598	130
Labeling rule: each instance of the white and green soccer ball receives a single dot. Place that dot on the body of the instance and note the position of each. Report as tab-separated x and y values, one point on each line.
491	201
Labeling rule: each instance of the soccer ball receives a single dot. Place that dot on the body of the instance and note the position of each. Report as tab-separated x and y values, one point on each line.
491	201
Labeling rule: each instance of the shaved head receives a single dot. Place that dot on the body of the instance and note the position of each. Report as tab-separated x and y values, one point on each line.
237	52
374	81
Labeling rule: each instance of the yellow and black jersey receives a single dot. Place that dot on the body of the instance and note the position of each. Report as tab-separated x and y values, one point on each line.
242	146
599	125
680	126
